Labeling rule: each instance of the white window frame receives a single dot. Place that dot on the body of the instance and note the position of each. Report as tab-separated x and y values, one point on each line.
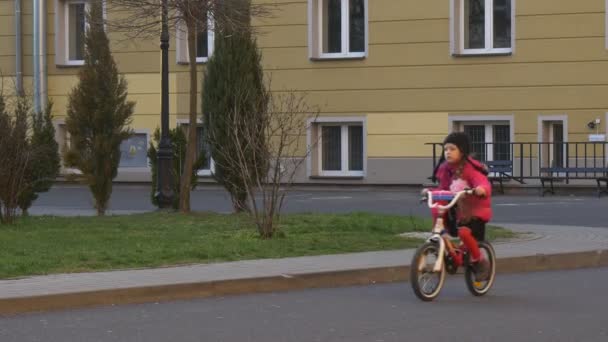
343	122
181	43
203	172
457	123
62	32
457	30
552	118
315	32
62	136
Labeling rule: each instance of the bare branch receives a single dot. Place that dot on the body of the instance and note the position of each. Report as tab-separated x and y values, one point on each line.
142	19
268	169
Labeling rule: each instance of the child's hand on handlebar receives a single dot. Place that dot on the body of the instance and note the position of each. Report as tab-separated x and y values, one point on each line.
479	192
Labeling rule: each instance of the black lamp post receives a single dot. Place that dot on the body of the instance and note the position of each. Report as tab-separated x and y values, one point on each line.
164	187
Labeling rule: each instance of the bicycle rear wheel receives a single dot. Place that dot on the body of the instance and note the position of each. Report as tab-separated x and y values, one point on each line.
425	282
480	288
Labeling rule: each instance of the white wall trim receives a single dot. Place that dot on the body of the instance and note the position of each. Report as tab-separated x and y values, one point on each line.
62	40
452	28
543	118
61	137
202	172
311	32
187	121
181	44
513	23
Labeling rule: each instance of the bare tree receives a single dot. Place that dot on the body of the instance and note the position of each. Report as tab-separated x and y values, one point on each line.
269	154
141	19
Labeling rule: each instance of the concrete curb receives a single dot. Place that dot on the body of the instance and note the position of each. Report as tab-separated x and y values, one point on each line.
169	292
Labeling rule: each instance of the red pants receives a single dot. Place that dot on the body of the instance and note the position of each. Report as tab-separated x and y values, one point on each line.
466	236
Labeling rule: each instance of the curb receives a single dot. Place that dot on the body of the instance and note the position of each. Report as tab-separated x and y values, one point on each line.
369	276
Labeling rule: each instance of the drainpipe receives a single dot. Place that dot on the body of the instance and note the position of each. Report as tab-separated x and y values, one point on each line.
43	15
36	62
18	49
40	92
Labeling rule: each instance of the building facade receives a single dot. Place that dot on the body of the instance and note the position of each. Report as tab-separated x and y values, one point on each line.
390	76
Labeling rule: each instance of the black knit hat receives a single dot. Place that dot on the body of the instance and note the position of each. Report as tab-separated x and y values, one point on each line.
461	140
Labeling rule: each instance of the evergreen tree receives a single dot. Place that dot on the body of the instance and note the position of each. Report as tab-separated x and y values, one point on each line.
45	164
15	158
99	114
234	96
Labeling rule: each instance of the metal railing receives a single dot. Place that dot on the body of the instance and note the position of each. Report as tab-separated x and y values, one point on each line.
535	160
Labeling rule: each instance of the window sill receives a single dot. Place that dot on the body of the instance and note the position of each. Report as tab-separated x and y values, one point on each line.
70	65
351	177
205	173
339	57
482	54
198	62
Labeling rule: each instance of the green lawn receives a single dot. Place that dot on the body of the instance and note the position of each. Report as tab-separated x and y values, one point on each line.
45	245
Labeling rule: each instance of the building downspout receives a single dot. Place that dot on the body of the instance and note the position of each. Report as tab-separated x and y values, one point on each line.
43	15
18	50
35	60
40	82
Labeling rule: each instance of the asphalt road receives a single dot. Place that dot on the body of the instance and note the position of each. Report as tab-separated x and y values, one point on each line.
539	307
562	210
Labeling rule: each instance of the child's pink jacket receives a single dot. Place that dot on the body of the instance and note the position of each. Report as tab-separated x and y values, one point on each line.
470	206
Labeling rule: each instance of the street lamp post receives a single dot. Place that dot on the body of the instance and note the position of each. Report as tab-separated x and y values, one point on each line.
164	187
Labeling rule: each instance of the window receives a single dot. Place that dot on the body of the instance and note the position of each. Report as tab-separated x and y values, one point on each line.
202	147
489	141
134	151
339	149
71	26
482	26
62	136
204	43
338	28
491	135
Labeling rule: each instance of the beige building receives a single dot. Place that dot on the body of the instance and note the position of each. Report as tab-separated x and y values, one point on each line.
389	76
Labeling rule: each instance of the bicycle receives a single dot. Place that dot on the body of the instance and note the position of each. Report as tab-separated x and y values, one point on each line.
445	256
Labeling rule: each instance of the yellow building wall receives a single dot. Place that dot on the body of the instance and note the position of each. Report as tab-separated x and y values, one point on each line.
559	66
407	86
7	38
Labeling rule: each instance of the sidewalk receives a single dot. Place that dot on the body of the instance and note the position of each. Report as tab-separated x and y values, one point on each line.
546	247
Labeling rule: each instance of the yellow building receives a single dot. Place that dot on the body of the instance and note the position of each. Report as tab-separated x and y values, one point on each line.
388	75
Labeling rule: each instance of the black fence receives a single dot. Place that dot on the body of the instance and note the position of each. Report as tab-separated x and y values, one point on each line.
523	161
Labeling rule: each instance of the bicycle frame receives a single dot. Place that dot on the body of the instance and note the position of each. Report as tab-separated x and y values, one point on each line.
438	232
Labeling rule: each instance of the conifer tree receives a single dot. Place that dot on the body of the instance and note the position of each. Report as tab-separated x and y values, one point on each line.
99	114
234	95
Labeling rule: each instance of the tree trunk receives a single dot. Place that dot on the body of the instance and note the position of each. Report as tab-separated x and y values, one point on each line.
186	178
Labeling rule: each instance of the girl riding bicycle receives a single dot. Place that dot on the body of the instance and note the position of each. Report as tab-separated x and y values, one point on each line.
457	171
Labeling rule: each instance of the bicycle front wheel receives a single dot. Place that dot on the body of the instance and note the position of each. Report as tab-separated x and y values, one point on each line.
425	282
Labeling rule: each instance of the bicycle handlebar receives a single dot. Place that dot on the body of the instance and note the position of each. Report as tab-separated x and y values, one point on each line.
453	202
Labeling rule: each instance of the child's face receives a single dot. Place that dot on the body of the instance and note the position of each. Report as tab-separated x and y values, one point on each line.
452	154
